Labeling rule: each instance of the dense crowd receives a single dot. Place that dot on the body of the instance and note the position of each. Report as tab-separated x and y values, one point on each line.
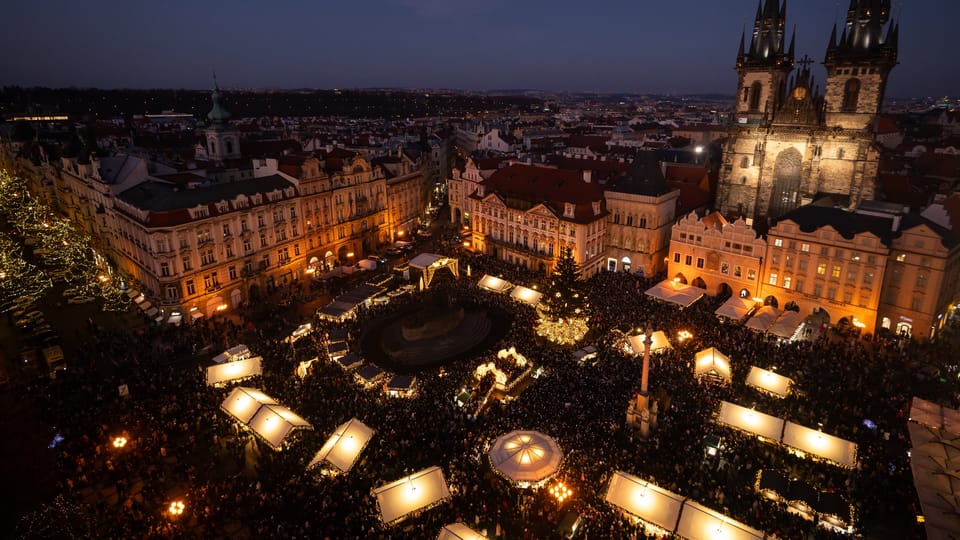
181	446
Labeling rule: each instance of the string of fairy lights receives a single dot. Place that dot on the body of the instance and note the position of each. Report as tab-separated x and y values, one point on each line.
66	253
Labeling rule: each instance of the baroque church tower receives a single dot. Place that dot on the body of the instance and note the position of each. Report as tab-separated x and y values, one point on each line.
790	143
220	140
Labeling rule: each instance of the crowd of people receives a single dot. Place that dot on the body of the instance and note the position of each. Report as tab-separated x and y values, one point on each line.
181	446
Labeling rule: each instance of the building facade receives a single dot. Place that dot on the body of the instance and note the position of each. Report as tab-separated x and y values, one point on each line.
790	143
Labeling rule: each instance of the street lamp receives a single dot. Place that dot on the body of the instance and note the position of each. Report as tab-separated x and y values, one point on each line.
119	442
560	492
176	508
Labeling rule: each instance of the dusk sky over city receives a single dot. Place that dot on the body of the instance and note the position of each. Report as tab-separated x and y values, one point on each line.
658	47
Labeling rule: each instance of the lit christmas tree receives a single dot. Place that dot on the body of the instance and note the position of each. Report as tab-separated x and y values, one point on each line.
563	297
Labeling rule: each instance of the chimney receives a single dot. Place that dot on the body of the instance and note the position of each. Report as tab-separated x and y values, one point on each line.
587	175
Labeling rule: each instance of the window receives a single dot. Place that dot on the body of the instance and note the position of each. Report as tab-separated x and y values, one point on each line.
817	289
851	94
751	274
799	286
744	162
778	242
699	262
847	296
755	89
802	265
247	248
165	269
229	247
676	257
226	229
821	269
724	268
773	278
737	271
206	257
901	257
835	273
868	278
688	260
916	303
775	259
260	222
805	248
171	292
792	245
263	239
832	293
191	288
786	282
232	272
852	276
838	253
921	280
187	266
789	262
855	256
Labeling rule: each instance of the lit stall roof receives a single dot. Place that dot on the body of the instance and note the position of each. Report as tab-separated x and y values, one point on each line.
675	292
275	422
736	308
751	421
243	402
699	522
526	457
459	531
658	339
817	443
769	381
647	501
763	318
525	295
936	458
345	445
493	283
420	490
786	325
232	371
713	362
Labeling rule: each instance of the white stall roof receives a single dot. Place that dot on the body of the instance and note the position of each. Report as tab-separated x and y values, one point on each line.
713	362
421	489
525	295
231	371
751	421
786	325
459	531
647	501
763	318
818	443
736	308
274	422
237	352
345	445
677	293
769	381
526	456
935	462
493	283
699	522
243	402
658	341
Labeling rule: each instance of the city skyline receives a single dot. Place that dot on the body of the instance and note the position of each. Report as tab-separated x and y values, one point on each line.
675	48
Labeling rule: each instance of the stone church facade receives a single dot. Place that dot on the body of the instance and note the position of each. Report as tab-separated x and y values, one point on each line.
793	143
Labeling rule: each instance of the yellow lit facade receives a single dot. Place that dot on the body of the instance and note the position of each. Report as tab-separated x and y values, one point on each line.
716	256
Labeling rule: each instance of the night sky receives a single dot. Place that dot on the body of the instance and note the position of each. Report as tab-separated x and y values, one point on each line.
655	46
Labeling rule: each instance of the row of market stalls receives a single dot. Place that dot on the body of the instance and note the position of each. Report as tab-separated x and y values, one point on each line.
367	374
712	363
263	415
233	365
801	440
671	513
765	319
519	293
344	306
826	507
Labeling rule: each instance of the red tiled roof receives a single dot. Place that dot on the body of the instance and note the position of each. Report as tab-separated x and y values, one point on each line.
886	125
552	187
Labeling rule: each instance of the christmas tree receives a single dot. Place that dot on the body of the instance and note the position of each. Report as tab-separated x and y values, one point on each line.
563	297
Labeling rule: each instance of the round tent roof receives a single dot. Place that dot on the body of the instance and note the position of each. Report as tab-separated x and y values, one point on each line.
527	457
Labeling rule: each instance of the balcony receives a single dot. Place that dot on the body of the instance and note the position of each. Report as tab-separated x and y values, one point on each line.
519	248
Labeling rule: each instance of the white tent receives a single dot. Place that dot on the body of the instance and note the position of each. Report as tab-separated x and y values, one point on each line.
763	318
769	381
526	457
818	443
493	283
525	295
237	352
244	402
698	521
786	325
675	292
751	421
658	342
648	502
459	531
418	491
232	371
711	362
736	308
429	263
300	331
274	422
345	445
936	458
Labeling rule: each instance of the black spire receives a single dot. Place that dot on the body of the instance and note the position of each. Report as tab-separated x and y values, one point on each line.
743	36
793	42
833	38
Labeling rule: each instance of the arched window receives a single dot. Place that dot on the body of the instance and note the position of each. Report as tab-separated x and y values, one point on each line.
744	162
212	147
755	90
229	146
629	220
643	222
851	93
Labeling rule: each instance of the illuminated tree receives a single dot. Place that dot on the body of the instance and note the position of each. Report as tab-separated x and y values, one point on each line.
563	297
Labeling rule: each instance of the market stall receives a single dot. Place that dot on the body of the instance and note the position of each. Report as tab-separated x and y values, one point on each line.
350	361
658	342
273	422
712	363
786	325
644	500
934	433
525	458
819	444
751	421
344	446
419	491
404	386
763	318
736	308
698	521
237	352
769	382
525	295
674	292
237	370
493	283
368	375
459	531
337	350
244	402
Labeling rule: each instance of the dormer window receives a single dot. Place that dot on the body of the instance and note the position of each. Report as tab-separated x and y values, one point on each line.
568	210
480	191
596	208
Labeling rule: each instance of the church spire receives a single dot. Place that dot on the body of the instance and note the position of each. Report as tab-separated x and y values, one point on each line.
793	42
